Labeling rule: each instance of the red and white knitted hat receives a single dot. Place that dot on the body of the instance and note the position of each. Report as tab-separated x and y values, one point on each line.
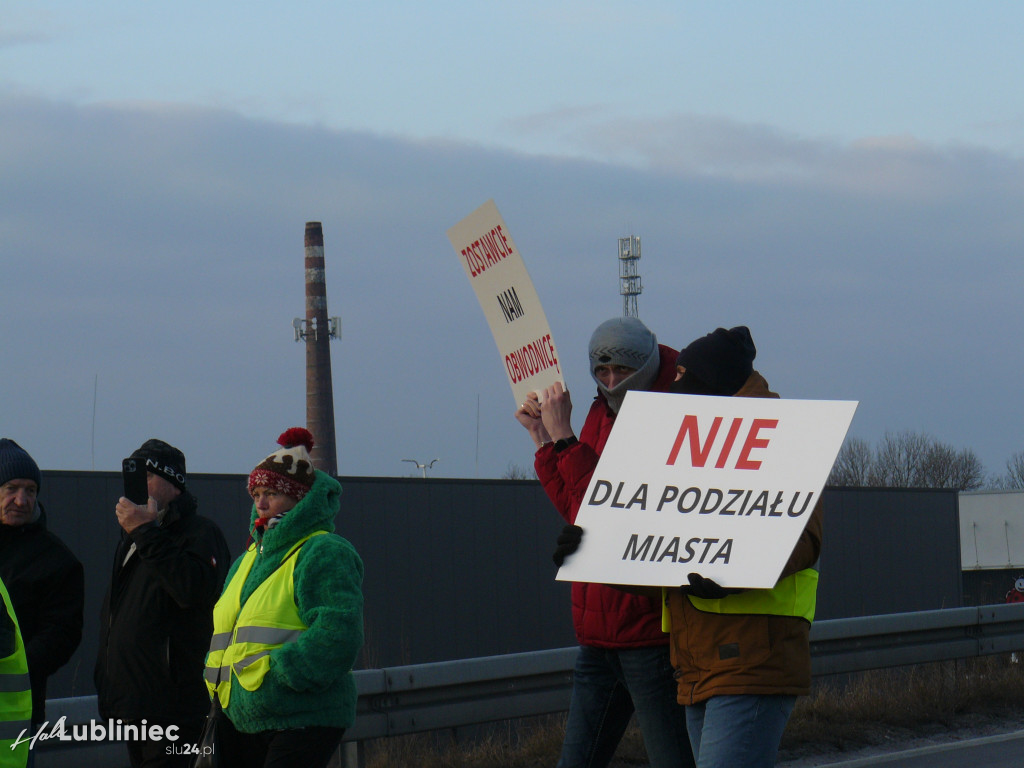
289	470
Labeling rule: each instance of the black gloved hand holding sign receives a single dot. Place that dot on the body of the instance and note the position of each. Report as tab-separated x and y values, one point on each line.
706	589
568	542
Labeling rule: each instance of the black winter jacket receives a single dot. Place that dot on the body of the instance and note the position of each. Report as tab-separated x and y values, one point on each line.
47	588
157	618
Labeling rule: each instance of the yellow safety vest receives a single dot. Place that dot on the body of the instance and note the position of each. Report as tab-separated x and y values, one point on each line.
244	636
795	595
15	698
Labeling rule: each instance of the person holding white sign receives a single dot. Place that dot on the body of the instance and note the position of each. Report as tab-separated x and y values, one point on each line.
623	663
741	657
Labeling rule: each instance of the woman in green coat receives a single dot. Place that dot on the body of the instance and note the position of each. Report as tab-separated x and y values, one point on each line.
289	624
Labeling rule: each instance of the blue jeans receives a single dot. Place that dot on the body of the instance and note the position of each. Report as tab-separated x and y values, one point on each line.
741	731
608	685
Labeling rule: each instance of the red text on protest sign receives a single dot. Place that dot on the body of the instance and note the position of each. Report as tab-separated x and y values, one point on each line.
486	251
699	453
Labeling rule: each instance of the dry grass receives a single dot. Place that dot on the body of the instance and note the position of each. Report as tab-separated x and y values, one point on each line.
528	743
865	709
880	706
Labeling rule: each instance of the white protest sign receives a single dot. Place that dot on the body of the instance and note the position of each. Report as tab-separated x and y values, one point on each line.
506	294
721	486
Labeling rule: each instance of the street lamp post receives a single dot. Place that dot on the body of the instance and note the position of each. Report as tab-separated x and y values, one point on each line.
423	467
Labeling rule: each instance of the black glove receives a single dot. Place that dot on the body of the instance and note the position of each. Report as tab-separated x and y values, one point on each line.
706	588
568	542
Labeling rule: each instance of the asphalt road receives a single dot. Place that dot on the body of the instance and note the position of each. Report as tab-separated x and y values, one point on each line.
1002	751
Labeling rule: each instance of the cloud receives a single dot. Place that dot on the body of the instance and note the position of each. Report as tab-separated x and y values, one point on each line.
723	148
13	39
155	253
694	144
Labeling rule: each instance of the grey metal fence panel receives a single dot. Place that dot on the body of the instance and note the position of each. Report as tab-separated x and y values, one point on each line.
462	568
454	568
989	586
889	550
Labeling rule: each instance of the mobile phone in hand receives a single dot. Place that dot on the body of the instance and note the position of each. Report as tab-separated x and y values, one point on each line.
133	471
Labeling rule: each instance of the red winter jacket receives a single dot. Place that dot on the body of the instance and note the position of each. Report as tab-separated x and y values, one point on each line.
603	617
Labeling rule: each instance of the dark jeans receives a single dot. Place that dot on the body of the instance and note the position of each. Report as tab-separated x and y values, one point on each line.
608	686
742	729
310	747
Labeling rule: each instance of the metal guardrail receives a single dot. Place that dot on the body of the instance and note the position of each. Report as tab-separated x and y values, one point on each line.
899	639
448	694
424	697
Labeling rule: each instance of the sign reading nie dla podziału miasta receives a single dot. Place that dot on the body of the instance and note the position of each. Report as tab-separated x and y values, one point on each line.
721	486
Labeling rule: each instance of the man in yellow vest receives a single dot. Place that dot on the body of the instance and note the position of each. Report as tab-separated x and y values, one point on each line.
15	690
44	579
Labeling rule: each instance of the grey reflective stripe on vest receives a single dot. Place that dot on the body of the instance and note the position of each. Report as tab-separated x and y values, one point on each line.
262	635
220	641
15	681
243	663
213	675
267	635
12	729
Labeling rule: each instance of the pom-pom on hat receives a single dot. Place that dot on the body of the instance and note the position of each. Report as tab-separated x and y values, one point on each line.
289	470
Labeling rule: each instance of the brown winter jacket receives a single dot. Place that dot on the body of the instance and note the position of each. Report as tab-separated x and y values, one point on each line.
725	654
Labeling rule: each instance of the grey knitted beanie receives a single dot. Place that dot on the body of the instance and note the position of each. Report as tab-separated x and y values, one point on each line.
624	341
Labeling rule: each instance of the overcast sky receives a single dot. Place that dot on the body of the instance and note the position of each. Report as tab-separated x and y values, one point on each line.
844	178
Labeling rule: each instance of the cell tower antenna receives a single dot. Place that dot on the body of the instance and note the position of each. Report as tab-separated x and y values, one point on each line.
629	278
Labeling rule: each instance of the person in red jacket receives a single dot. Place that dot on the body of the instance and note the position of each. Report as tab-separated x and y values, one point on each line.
623	663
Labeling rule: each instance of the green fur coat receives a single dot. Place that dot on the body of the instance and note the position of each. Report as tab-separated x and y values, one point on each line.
309	682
